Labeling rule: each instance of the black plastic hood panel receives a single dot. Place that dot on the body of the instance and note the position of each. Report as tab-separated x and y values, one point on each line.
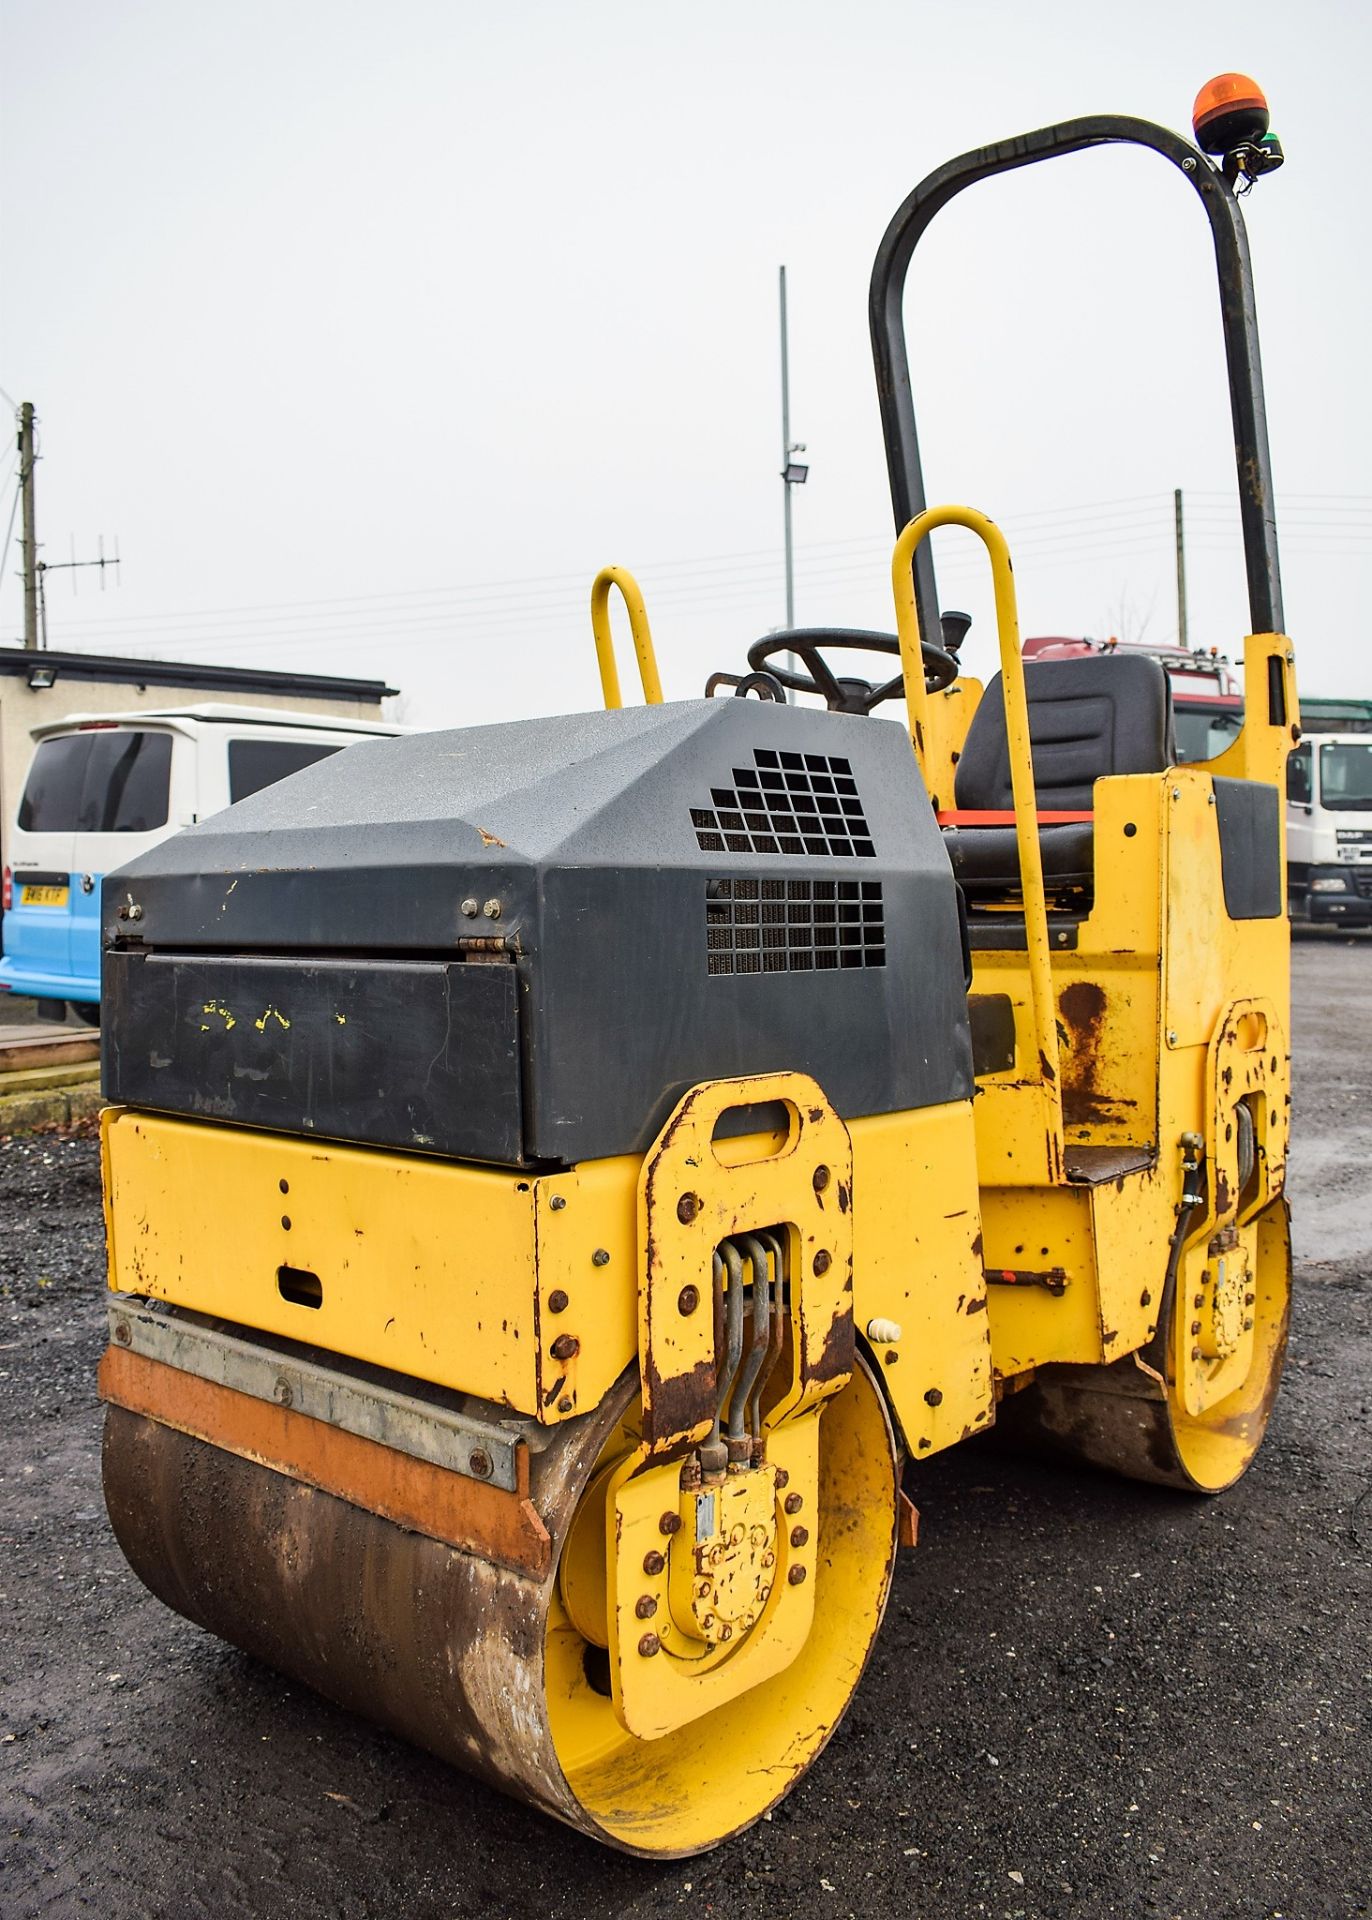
682	893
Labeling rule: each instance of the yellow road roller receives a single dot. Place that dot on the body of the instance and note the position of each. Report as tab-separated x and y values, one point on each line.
562	1177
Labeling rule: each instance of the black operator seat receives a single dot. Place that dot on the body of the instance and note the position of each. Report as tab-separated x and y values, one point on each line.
1106	714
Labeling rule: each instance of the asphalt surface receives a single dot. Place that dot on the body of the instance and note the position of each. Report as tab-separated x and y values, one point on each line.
1089	1698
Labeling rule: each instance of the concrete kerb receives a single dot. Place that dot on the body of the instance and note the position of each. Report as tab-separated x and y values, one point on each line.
49	1107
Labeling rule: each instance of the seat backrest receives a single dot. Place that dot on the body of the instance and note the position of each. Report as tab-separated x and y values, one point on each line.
1111	713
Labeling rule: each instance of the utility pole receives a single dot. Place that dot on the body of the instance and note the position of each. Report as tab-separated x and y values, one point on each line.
29	535
1181	568
793	472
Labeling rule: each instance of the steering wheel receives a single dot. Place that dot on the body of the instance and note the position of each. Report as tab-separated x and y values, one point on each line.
841	693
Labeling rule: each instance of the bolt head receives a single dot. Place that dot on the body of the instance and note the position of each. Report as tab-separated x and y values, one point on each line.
600	1258
646	1606
479	1463
688	1300
823	1260
654	1562
726	1633
1195	1353
793	1502
649	1645
565	1405
557	1203
565	1347
821	1180
796	1577
782	1477
557	1301
470	909
492	909
669	1524
687	1208
121	1332
799	1536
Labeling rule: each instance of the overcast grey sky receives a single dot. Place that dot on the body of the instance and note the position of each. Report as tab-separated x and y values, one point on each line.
372	332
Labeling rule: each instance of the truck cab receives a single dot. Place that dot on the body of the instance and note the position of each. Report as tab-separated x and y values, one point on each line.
1329	829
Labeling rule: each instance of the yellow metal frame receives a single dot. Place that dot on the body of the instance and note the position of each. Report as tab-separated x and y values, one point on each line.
1041	1080
639	629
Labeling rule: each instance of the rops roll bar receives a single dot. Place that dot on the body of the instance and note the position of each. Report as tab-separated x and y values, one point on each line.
1237	313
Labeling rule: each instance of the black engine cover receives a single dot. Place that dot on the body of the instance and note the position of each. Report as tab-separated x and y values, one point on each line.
679	893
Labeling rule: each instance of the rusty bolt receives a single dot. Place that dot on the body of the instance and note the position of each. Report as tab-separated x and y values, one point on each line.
565	1404
479	1462
284	1185
600	1258
1249	1298
889	1356
1195	1326
557	1301
934	1397
649	1645
823	1260
687	1207
821	1179
707	1620
121	1332
470	908
782	1478
1199	1300
557	1203
670	1523
565	1347
646	1606
1145	1298
769	1559
793	1503
702	1589
799	1535
283	1393
1195	1353
796	1576
688	1300
492	909
1248	1326
653	1561
286	1221
726	1633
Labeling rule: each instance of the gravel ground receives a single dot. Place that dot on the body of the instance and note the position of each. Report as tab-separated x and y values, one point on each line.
1089	1698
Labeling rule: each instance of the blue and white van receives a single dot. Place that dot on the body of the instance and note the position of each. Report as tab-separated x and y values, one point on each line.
101	789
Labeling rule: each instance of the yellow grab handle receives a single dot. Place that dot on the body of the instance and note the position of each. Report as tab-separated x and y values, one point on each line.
1017	738
638	626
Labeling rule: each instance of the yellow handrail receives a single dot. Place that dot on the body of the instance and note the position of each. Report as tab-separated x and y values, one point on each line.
1017	738
638	626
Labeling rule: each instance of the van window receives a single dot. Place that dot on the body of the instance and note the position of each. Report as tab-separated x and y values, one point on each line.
52	792
111	780
254	764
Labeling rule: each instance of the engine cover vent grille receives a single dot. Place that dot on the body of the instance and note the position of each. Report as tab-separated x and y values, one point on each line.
805	803
793	926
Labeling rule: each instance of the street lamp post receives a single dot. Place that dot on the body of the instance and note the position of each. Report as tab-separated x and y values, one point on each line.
793	471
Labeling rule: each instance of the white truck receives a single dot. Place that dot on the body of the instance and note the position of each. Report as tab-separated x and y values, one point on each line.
1329	829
